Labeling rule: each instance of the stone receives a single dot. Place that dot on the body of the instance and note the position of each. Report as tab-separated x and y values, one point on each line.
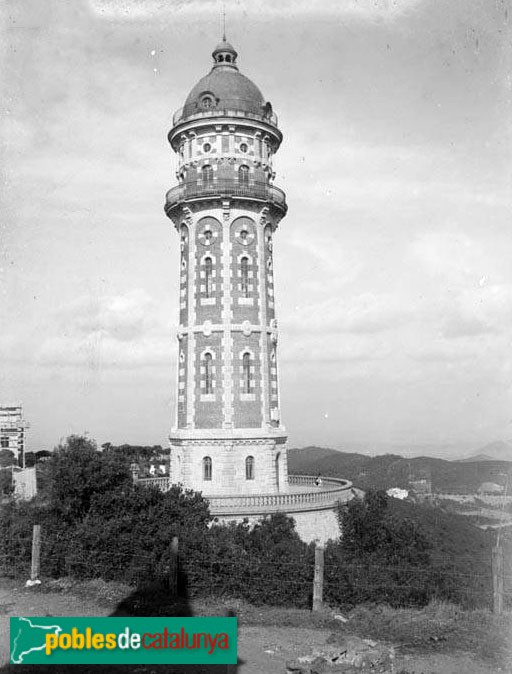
345	653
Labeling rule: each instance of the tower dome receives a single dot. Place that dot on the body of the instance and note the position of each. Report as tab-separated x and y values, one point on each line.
225	88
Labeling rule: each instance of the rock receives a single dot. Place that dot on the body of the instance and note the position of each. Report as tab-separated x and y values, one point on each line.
341	618
295	667
347	654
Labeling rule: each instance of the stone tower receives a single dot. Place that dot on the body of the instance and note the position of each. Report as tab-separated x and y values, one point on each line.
228	438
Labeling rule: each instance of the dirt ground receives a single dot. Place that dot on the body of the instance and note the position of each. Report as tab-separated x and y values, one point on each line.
262	649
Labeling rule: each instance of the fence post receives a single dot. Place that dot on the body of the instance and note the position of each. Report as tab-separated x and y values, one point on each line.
173	571
497	579
36	552
318	582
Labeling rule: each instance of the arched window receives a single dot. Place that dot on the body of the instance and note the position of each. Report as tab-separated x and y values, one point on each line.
244	273
207	468
246	372
207	174
208	273
249	468
208	373
243	176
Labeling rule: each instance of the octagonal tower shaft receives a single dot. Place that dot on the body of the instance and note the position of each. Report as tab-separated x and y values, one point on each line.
228	438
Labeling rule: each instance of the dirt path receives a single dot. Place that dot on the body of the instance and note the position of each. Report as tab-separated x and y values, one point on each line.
262	650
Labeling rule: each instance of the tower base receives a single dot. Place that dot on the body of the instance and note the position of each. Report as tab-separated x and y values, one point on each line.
230	462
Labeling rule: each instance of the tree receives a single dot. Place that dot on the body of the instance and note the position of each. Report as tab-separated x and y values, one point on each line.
6	483
43	455
380	557
127	534
267	563
77	472
7	458
30	459
369	532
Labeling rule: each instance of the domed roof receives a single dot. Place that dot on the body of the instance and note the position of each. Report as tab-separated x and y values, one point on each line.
224	87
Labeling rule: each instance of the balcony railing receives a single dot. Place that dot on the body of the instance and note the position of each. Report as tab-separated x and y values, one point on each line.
331	492
226	108
225	187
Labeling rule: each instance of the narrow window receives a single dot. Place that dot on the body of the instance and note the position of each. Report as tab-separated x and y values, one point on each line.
208	374
207	174
249	468
246	372
244	273
243	176
208	267
207	468
4	442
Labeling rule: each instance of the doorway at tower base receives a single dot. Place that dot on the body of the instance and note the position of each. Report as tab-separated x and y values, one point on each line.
229	466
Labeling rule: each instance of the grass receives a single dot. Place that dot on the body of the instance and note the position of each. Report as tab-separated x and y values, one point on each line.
440	627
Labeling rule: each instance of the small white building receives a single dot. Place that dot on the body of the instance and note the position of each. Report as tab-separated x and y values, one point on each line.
396	492
490	488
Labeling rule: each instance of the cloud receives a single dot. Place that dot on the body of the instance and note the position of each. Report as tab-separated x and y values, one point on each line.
111	331
365	313
138	9
482	310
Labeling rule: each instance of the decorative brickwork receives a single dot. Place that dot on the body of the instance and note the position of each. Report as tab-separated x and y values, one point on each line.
228	437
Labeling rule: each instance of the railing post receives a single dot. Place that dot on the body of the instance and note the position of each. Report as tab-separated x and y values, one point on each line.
36	552
318	582
173	571
497	579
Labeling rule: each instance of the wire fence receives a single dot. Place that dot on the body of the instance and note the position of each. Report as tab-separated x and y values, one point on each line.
468	582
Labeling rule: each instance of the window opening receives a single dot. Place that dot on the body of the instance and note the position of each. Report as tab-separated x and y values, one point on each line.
208	374
246	367
208	266
249	468
243	176
207	174
244	272
207	468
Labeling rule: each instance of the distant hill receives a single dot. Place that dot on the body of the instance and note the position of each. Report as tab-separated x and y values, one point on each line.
494	451
391	470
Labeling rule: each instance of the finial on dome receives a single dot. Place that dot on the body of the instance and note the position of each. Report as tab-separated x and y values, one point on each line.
224	23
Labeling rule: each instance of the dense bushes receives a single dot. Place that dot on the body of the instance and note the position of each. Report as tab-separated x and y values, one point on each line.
264	564
97	523
126	535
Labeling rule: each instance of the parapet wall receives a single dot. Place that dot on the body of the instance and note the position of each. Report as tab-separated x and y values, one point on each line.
312	506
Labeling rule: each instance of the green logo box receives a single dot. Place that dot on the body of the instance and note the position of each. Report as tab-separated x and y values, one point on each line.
118	641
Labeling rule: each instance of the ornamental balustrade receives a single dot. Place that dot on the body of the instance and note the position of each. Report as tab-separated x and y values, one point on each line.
232	187
327	495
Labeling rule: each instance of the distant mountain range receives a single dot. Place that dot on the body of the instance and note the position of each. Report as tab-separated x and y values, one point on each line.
392	470
497	450
494	451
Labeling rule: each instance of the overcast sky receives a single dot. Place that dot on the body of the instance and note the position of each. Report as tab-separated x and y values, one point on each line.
393	265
